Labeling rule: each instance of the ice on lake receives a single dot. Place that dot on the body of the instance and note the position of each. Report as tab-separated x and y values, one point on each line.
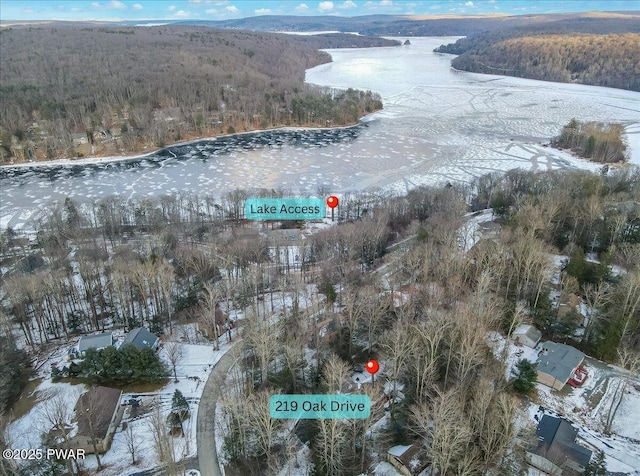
437	125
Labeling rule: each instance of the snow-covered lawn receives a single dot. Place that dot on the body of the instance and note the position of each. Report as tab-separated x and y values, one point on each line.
586	407
192	369
514	353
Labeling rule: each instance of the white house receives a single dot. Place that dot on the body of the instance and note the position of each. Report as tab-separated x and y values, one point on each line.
527	335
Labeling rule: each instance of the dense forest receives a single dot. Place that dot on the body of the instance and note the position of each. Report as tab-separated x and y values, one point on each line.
69	90
593	140
119	264
601	52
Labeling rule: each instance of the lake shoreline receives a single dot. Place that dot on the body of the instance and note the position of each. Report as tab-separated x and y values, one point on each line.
98	160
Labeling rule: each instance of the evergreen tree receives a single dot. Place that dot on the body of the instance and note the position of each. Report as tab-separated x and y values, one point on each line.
127	364
12	377
526	376
180	405
179	411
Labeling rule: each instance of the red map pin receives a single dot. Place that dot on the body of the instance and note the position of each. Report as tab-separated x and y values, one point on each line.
372	366
332	201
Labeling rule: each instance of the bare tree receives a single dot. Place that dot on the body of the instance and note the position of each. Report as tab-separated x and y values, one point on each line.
158	429
596	297
445	429
175	352
630	362
263	427
57	416
335	374
426	351
397	346
132	441
211	312
331	445
629	301
262	338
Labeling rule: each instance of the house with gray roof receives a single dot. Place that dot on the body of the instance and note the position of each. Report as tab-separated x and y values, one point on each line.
142	338
556	452
557	363
95	341
528	335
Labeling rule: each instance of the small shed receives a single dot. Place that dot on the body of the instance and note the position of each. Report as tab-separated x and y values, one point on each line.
142	338
95	341
527	335
410	460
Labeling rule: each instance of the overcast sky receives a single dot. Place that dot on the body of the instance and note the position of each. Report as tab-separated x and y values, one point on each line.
227	9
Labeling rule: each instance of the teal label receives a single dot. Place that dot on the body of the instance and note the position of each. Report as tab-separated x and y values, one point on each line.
319	406
284	209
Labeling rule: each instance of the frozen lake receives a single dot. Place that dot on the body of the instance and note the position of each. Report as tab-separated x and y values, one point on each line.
437	125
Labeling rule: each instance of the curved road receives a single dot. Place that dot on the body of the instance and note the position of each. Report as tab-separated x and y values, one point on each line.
205	426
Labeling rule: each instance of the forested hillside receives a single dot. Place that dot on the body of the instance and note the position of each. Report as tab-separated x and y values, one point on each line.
119	264
85	89
602	53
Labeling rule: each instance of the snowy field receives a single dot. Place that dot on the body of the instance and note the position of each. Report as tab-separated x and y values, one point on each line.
192	370
438	125
195	363
586	407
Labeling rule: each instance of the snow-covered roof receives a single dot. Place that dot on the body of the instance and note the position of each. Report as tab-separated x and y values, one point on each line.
399	450
412	457
96	341
529	331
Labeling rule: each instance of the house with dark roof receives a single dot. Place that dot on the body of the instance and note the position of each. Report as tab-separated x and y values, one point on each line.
95	341
557	364
556	452
98	413
142	338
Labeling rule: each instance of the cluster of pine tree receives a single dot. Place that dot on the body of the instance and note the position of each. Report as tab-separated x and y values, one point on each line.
127	364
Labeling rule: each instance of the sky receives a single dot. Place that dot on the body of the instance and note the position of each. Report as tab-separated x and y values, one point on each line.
120	10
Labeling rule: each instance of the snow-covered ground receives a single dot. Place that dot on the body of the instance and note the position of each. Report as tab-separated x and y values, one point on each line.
192	369
586	407
471	232
512	354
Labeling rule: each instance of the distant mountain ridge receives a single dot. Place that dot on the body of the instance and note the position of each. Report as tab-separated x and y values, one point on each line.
405	25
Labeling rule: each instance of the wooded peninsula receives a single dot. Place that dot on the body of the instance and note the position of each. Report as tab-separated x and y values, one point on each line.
597	51
75	90
593	140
